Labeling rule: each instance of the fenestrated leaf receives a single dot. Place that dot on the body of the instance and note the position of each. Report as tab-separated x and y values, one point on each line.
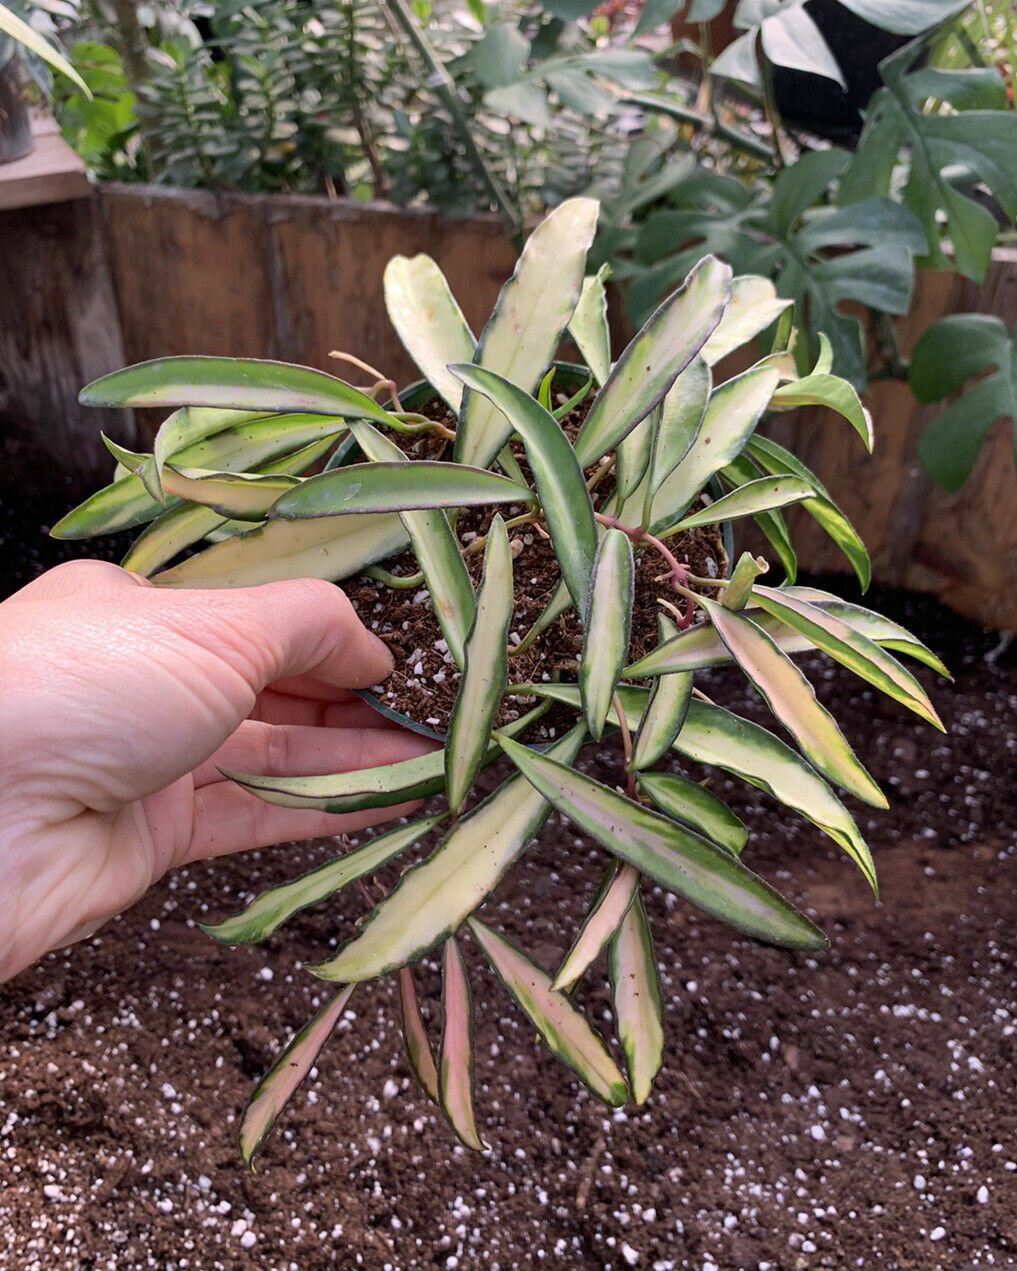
185	524
418	1048
456	1070
401	486
705	875
668	341
905	17
233	383
240	496
731	415
608	625
720	739
635	992
564	498
826	390
666	708
565	1031
614	895
485	672
687	801
522	335
329	547
433	898
363	788
253	440
681	418
275	906
850	648
749	500
428	321
434	546
754	306
792	699
274	1090
588	325
821	507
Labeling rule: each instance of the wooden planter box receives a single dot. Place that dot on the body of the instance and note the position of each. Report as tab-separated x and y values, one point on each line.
137	272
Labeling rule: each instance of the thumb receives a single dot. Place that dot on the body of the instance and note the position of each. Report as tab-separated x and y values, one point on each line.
286	630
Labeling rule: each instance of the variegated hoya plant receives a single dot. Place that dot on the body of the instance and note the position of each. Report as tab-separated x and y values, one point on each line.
665	446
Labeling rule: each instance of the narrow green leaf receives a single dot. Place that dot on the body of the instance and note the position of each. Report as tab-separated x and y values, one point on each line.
398	486
608	626
274	1090
665	345
234	383
731	415
435	548
749	500
633	454
792	699
522	336
754	306
682	412
588	325
850	648
719	739
277	905
248	443
418	1048
616	892
241	496
821	508
456	1070
666	708
565	1031
635	992
185	524
687	801
826	390
434	898
185	427
485	672
328	547
364	788
128	460
428	321
561	488
705	875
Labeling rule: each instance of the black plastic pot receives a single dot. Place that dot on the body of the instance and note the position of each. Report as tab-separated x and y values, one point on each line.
15	125
568	376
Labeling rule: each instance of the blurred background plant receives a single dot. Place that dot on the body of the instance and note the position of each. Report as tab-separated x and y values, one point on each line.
832	145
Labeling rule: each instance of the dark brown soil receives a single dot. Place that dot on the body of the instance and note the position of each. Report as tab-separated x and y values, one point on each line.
857	1109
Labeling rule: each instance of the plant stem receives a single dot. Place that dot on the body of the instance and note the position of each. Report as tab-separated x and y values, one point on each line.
398	581
626	736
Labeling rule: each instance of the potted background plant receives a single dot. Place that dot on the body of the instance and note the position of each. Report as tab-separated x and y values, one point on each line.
559	551
19	41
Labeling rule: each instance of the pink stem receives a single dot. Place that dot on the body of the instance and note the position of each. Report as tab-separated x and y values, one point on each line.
679	572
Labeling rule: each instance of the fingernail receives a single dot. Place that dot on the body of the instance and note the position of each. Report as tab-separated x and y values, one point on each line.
383	651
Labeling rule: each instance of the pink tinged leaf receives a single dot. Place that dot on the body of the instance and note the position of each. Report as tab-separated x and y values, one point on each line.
418	1048
793	701
457	1048
276	1087
561	1025
615	894
635	991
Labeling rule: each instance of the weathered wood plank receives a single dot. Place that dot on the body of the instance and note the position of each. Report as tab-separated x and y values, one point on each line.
59	328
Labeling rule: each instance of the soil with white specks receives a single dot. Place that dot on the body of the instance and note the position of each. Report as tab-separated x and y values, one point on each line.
856	1109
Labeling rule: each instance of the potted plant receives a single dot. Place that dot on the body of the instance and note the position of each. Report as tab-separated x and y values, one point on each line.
18	38
544	554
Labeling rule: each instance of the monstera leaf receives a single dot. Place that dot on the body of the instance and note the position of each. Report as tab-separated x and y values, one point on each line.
948	355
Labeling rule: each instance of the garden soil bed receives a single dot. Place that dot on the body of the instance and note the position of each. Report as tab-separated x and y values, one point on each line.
856	1109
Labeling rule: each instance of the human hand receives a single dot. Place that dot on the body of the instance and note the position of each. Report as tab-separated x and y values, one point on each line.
119	702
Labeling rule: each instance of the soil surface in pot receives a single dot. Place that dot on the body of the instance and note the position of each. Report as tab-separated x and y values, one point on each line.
857	1109
425	681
